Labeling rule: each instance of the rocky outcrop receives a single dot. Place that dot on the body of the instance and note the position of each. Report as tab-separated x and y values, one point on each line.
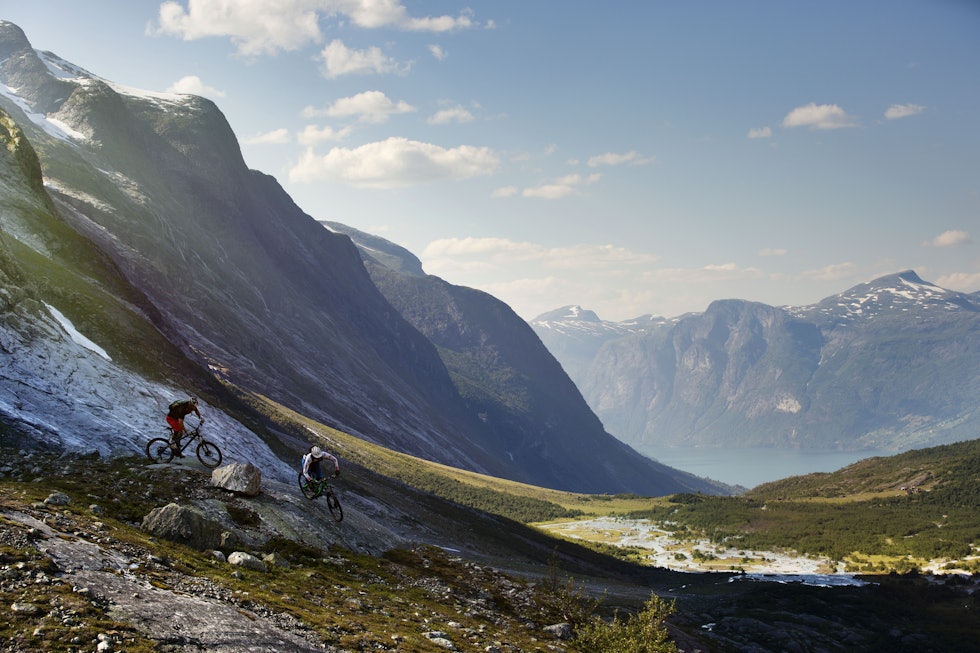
185	525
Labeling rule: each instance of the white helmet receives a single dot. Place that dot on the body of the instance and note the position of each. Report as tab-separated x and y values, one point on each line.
316	451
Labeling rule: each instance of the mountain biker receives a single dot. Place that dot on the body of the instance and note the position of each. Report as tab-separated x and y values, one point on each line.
312	460
178	410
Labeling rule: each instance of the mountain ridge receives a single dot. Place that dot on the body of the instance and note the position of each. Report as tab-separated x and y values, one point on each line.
886	364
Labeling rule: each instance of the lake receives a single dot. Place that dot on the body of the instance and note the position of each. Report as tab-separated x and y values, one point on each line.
752	466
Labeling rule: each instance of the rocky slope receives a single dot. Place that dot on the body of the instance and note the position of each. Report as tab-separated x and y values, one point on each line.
133	216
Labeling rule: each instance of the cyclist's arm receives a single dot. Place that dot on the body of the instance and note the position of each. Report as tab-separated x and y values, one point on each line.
336	463
307	461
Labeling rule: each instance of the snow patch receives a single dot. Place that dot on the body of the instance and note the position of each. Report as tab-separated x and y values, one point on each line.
74	334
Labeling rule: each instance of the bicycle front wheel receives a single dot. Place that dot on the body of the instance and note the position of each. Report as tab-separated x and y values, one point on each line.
309	490
333	503
209	454
158	450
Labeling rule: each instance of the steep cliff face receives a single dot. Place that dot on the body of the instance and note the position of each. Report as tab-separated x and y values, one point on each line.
190	253
887	364
505	375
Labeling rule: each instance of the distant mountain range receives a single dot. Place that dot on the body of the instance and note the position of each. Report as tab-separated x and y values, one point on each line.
141	258
891	364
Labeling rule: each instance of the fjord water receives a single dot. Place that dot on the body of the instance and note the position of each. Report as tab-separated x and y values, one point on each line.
751	466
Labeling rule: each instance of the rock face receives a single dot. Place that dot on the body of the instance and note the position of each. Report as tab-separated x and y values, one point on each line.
240	478
889	364
185	525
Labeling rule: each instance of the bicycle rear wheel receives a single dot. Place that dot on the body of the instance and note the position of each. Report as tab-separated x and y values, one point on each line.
158	450
309	490
333	503
209	454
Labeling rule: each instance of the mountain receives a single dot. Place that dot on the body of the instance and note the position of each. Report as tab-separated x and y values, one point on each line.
150	261
506	376
889	364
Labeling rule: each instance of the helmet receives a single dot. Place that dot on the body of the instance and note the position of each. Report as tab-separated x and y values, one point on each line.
316	451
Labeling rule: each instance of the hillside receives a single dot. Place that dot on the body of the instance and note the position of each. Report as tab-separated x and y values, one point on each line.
888	365
132	215
504	374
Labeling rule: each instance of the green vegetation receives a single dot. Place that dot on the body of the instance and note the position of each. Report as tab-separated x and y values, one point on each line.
882	514
643	632
351	601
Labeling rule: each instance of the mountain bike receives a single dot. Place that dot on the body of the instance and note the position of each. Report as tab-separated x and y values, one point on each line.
320	486
160	450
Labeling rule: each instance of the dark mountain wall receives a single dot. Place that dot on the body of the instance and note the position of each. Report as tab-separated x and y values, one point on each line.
505	375
218	259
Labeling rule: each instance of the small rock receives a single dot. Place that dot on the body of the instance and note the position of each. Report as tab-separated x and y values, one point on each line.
25	608
562	631
57	499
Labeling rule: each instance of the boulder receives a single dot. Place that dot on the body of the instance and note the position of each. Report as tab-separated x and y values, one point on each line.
184	525
240	478
247	560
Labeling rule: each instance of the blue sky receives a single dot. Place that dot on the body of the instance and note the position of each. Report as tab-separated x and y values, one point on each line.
629	157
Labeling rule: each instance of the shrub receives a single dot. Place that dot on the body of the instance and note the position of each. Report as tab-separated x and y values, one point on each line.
644	632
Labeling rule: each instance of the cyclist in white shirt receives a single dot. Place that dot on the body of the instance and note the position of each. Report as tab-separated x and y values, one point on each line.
312	460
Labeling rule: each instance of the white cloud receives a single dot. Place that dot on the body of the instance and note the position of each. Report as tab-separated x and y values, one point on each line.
822	116
961	281
369	107
275	137
456	114
950	238
833	272
612	159
903	111
506	191
452	253
192	85
340	60
394	163
259	28
561	187
311	134
438	52
760	132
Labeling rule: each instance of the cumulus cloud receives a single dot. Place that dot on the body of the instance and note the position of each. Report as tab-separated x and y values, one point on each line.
456	114
394	163
312	134
260	28
961	281
369	107
438	52
903	111
613	159
339	60
760	132
833	272
192	85
819	116
950	238
447	253
561	187
274	137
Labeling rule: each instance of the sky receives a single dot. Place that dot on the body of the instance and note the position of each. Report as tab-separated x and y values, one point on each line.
629	157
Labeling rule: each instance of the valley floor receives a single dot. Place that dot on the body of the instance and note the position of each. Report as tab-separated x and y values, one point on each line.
652	544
